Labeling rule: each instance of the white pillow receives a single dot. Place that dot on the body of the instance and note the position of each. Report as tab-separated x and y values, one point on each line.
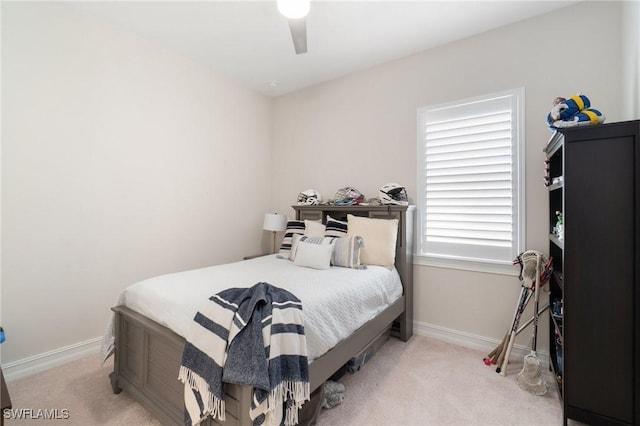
311	240
316	256
313	228
379	238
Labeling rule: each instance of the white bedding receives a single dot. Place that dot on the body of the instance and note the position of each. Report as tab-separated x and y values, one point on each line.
336	301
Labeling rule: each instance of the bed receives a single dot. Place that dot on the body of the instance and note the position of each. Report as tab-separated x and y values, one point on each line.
148	351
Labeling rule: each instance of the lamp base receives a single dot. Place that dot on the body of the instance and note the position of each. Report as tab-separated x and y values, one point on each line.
274	242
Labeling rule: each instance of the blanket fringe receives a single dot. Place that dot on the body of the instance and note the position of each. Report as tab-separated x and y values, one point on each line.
295	391
214	406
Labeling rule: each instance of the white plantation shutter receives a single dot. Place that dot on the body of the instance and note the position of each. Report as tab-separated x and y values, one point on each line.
470	185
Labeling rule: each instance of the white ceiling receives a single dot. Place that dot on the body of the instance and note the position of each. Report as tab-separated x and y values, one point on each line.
250	42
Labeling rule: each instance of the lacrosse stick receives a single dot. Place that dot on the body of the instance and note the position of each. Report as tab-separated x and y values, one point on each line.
530	320
530	272
530	378
497	355
503	360
492	357
531	279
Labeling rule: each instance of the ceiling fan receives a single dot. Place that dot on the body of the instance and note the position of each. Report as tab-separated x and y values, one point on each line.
296	11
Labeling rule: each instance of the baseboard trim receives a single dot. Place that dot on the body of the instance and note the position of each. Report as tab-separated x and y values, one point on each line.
31	365
34	364
472	341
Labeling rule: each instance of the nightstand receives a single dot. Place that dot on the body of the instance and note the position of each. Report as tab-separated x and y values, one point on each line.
253	256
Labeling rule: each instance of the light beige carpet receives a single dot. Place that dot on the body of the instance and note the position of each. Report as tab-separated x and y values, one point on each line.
422	382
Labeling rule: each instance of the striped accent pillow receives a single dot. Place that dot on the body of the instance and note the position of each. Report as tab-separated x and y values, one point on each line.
297	238
346	252
294	227
335	228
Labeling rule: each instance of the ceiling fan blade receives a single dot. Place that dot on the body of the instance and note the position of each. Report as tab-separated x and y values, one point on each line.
298	29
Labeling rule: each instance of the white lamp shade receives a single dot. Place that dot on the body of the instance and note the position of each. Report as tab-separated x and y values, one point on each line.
274	222
294	9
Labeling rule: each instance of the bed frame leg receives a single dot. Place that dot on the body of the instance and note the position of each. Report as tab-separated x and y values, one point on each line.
113	377
406	328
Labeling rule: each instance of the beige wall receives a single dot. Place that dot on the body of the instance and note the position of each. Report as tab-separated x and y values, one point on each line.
631	60
120	160
360	131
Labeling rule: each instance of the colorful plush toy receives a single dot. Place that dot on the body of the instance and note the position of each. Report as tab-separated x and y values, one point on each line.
575	111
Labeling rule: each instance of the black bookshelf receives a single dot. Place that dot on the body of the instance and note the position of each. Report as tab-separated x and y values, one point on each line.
595	336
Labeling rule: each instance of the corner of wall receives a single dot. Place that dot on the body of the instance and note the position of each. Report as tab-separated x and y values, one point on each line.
630	77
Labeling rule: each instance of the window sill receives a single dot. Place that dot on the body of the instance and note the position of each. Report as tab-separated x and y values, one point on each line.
467	265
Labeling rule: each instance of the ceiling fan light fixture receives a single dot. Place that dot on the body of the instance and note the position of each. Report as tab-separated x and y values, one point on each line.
294	9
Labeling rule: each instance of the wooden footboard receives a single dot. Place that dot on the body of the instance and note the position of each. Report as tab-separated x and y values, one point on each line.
147	361
148	357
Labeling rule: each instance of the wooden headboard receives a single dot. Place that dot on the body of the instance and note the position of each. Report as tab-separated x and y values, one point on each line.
404	244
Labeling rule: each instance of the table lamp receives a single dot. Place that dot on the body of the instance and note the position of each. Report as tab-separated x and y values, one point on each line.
274	222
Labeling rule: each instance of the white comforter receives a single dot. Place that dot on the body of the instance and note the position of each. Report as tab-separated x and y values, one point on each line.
335	301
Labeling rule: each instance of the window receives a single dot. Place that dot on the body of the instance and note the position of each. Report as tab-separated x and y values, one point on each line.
471	168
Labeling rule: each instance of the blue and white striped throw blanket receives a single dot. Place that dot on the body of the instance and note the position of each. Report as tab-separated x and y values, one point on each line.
247	336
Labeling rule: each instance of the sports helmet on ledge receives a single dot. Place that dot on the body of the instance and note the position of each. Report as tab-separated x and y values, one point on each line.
348	196
310	197
392	193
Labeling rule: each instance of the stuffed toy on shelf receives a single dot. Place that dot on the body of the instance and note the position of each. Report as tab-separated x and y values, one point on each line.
575	111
